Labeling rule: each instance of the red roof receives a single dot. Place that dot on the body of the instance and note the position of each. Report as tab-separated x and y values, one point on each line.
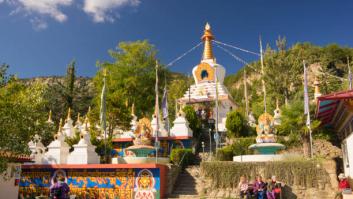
327	105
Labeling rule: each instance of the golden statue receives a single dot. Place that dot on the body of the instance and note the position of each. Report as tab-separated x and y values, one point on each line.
143	132
265	129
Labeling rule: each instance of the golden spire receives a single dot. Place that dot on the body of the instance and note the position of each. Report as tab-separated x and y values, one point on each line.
317	88
68	114
78	118
49	117
133	109
207	38
60	125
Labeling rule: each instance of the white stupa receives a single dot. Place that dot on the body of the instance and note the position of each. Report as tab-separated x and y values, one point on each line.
162	131
58	150
84	152
68	129
181	127
209	75
37	149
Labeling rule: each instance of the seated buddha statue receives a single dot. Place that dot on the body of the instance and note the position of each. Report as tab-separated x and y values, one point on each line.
143	132
265	129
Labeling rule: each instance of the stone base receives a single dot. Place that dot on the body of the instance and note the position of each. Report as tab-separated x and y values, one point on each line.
139	160
257	158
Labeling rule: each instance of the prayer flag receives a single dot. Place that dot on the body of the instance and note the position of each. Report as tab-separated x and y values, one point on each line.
165	103
306	96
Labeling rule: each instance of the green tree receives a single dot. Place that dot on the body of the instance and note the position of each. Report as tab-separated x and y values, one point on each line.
21	117
130	79
294	121
194	121
235	124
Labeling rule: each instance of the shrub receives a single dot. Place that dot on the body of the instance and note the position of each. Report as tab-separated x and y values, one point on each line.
235	124
225	154
176	156
304	173
241	146
194	121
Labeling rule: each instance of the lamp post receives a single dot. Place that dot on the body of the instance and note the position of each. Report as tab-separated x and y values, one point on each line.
203	146
210	141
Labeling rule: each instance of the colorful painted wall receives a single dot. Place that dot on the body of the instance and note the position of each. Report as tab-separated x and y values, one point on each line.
96	181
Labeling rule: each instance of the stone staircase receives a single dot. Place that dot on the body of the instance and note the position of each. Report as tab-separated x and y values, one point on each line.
185	186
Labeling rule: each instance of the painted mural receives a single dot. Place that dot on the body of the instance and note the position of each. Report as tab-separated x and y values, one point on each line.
93	183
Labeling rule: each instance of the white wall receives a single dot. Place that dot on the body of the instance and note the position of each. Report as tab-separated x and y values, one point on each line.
347	150
8	189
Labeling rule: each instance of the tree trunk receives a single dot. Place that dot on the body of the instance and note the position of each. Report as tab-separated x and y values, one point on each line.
306	145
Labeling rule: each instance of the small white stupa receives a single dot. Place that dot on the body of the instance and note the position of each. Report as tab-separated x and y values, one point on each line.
84	151
162	131
181	126
68	129
58	150
134	121
37	149
277	115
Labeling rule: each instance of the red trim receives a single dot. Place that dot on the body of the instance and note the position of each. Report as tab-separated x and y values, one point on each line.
159	138
122	140
92	166
174	138
325	113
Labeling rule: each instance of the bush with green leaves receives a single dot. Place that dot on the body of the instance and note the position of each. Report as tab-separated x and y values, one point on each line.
239	147
194	121
184	157
303	173
235	124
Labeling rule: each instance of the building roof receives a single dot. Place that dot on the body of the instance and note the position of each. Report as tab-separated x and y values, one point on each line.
327	105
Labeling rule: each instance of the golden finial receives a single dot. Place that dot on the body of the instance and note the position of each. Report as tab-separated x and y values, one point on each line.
60	125
317	92
207	26
277	103
133	109
104	72
86	123
78	118
207	38
49	117
68	114
127	103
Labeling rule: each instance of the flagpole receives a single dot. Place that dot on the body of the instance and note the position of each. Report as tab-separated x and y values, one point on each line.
307	109
103	114
263	75
349	74
246	96
157	112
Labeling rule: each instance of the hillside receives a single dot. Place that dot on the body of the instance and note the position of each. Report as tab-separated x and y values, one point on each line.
284	74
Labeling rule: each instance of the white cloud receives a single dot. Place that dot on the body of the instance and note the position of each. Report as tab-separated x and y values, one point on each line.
38	24
45	7
102	10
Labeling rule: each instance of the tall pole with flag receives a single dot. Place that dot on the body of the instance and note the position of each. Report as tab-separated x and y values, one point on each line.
157	112
165	107
102	116
263	75
349	75
306	107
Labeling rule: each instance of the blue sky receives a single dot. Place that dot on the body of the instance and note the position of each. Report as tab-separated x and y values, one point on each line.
40	37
